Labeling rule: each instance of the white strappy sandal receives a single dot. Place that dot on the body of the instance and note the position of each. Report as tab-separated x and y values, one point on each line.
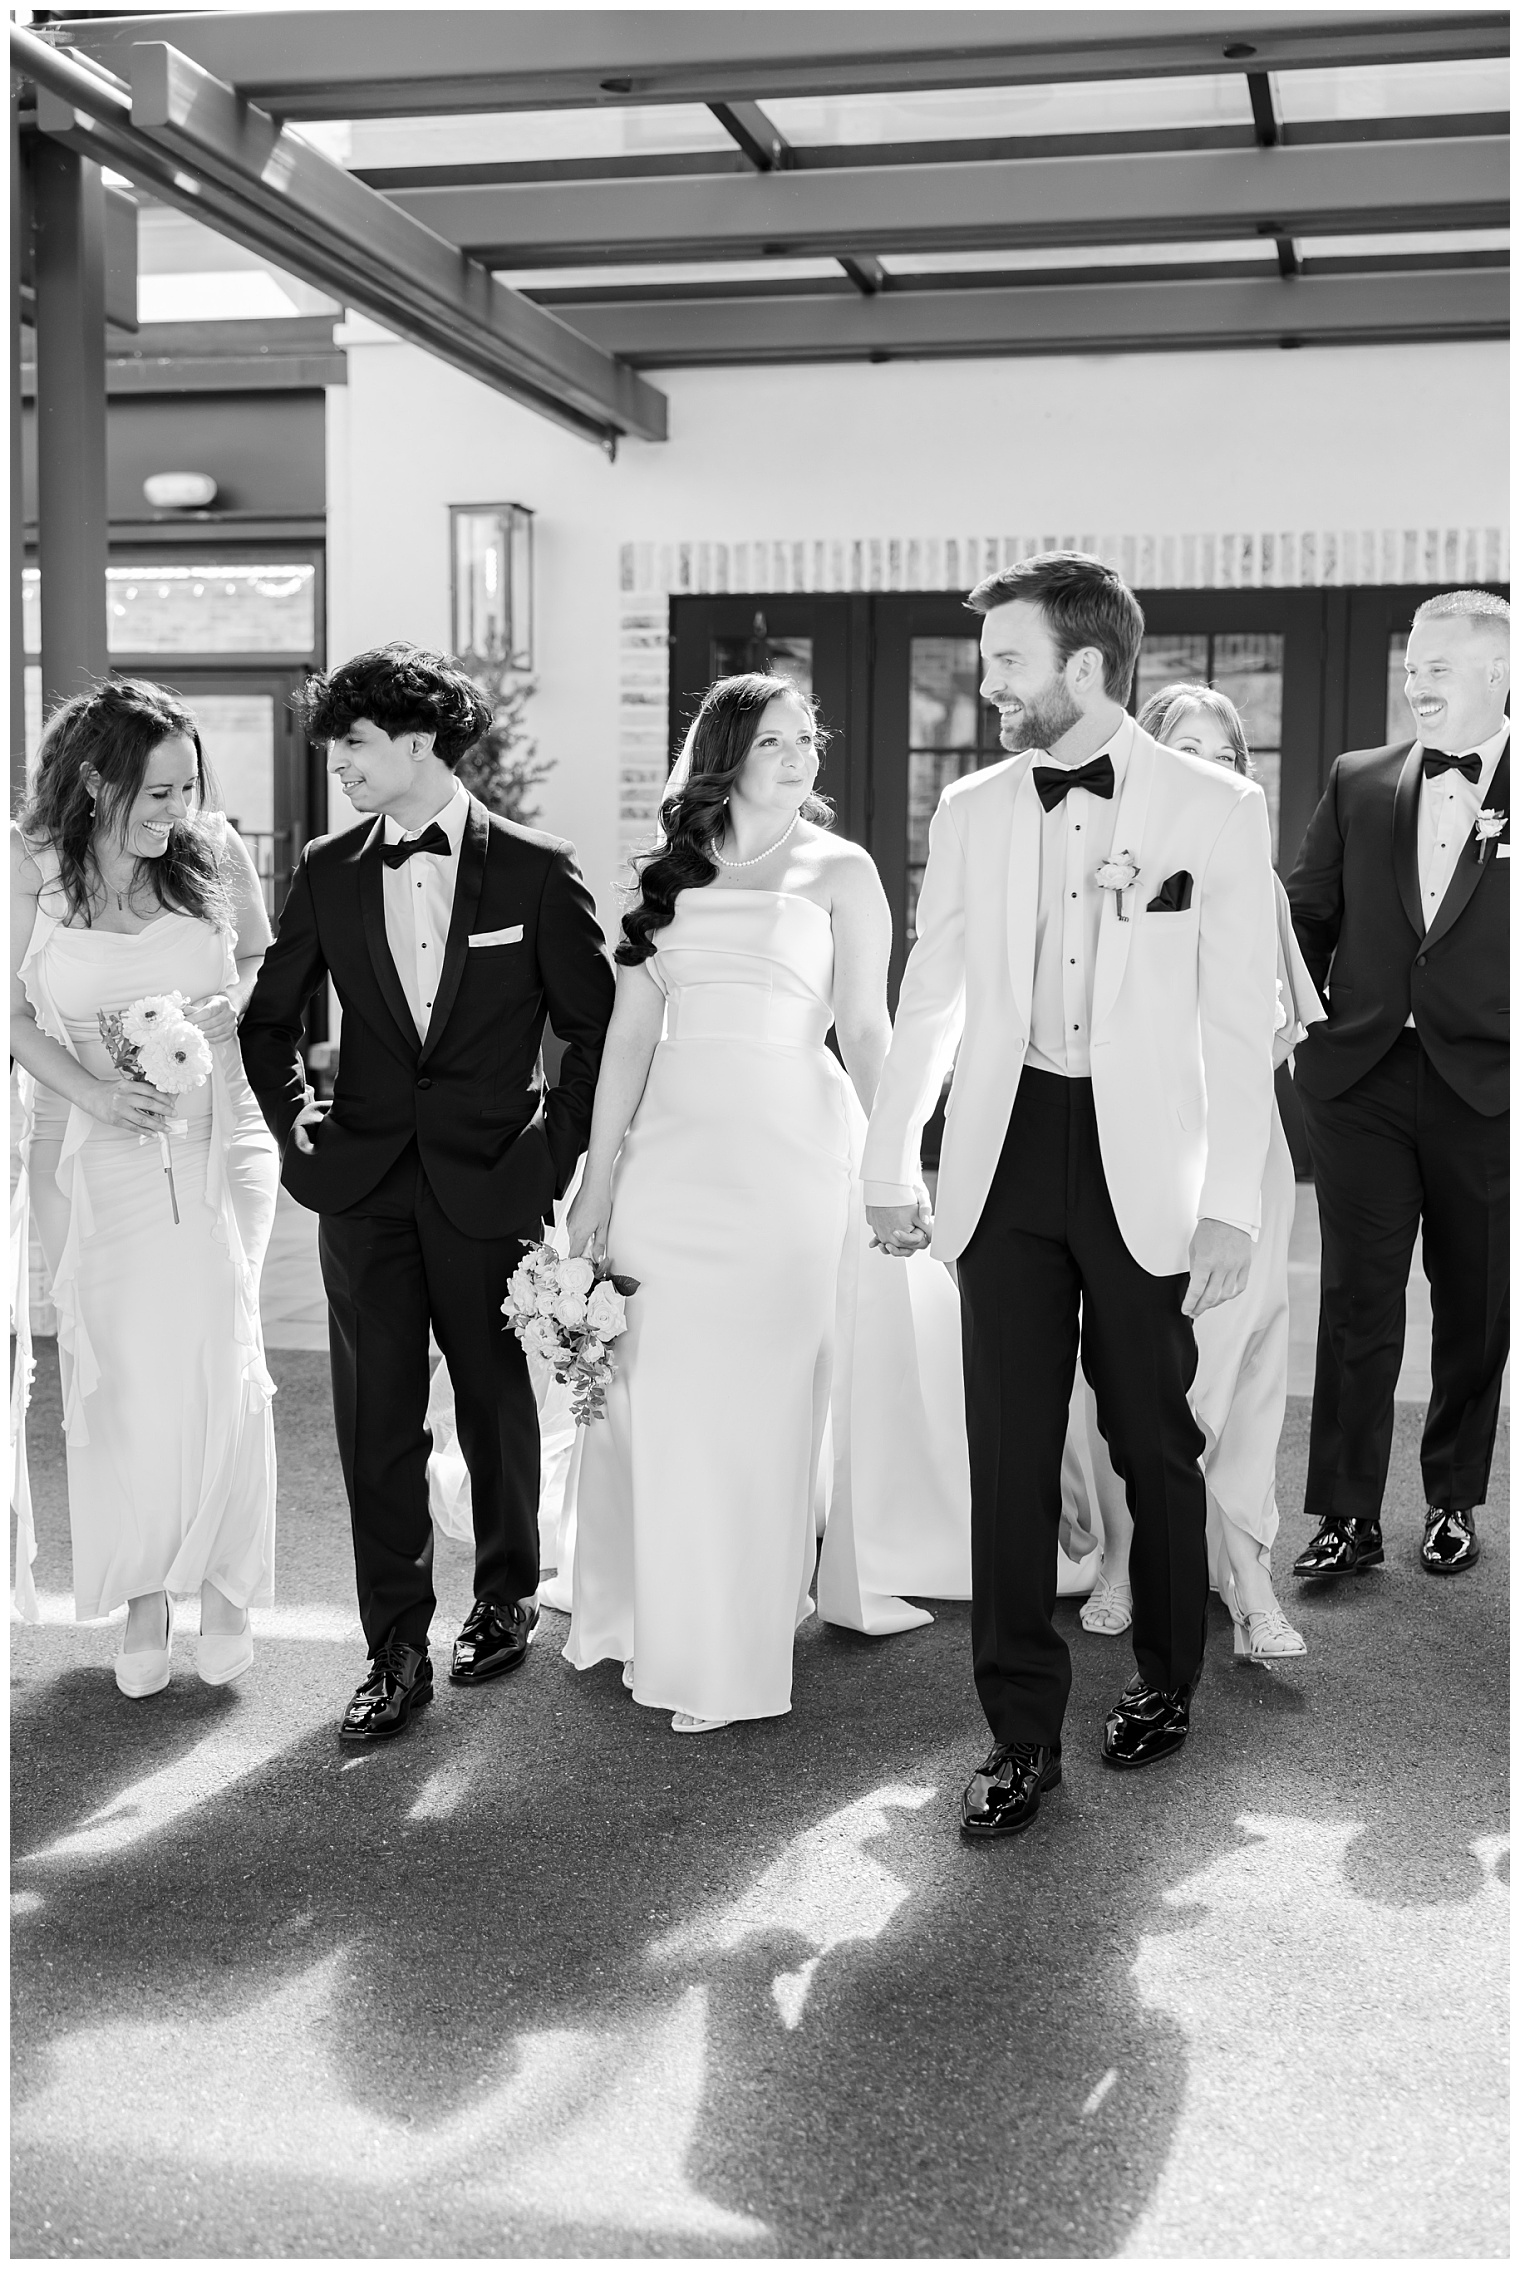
1108	1609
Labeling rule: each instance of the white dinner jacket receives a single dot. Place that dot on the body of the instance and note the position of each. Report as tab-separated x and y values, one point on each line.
1183	1012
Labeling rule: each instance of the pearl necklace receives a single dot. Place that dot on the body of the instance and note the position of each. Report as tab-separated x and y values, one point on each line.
755	862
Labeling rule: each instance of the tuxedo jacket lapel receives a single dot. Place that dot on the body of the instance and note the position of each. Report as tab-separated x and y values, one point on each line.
1114	936
1023	892
372	908
1406	838
468	881
1469	874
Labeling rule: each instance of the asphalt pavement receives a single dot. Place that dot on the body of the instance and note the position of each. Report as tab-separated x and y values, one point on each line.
542	1979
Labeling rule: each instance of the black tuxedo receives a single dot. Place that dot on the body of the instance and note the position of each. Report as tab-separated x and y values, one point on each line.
1355	894
439	1157
1404	1126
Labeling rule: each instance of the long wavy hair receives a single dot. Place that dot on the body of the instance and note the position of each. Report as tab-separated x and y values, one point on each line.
113	730
696	802
1172	703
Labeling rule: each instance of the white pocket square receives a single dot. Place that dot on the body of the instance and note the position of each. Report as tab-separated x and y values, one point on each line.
1501	850
513	936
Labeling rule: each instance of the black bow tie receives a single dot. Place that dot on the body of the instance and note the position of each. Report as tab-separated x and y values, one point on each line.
432	838
1053	782
1436	762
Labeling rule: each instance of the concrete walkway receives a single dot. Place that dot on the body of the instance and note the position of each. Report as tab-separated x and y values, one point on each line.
543	1979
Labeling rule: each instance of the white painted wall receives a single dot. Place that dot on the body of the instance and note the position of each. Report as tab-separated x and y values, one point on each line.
1399	437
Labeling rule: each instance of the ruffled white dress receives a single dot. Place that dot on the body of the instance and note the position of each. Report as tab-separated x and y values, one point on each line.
166	1395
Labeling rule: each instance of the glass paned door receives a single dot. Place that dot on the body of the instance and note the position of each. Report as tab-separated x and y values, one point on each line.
1246	665
951	731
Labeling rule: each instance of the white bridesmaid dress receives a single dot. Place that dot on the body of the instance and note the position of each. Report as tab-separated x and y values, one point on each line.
166	1395
772	1368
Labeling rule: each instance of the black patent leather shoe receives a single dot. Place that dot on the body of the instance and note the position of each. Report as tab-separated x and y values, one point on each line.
1144	1724
494	1640
1341	1548
1003	1794
400	1683
1451	1542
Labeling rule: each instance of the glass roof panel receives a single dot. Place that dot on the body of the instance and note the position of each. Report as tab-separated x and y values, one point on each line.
1072	256
1393	90
1099	106
518	136
1413	240
669	272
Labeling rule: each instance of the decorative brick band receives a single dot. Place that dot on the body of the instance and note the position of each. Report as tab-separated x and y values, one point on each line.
1254	560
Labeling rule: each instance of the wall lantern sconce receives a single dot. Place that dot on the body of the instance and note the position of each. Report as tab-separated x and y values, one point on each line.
491	547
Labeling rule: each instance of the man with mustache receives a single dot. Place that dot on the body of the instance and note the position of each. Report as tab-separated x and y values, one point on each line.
1400	900
1097	931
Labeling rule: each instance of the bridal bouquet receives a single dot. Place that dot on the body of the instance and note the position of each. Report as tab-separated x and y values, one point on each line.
570	1311
154	1041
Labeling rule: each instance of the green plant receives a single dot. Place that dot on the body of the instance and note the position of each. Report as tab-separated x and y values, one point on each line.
504	767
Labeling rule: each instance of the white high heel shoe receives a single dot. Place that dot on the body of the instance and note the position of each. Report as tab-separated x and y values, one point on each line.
221	1656
146	1670
684	1722
628	1674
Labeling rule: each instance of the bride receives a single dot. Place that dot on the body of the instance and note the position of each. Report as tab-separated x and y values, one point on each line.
721	1175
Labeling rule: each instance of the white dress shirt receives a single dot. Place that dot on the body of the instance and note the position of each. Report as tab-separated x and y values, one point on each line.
1076	836
1449	808
419	905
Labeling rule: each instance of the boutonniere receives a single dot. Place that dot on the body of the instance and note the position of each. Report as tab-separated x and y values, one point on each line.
1119	874
1489	826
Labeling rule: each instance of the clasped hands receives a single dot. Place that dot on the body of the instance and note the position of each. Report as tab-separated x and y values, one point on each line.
1219	1258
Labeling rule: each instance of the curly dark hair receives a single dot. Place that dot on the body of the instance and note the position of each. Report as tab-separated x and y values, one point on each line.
692	815
1084	604
113	730
402	689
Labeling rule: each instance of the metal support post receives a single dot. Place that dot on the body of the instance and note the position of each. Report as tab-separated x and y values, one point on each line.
73	523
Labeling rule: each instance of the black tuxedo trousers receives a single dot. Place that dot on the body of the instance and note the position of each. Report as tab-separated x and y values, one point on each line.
1047	1272
1399	1148
393	1267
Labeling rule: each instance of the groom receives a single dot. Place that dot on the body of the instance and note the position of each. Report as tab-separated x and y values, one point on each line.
448	934
1097	930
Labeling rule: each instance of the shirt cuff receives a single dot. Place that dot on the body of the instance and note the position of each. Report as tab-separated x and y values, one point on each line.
1245	1226
890	1193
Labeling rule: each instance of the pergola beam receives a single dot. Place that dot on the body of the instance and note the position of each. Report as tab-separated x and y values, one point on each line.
1154	198
1111	318
200	147
307	63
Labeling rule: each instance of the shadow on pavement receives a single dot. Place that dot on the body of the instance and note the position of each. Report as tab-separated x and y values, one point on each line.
542	1979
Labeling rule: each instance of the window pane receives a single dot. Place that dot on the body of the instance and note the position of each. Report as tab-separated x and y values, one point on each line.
943	674
1400	724
789	658
237	734
1101	106
1397	90
243	608
1166	659
1249	670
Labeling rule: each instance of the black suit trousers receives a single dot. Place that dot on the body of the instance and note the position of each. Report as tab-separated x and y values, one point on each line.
1047	1268
1398	1148
393	1267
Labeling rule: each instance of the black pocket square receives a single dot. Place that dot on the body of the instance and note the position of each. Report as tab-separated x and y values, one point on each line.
1175	895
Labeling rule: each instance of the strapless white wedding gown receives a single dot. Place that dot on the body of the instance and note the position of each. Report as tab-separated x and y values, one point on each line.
771	1366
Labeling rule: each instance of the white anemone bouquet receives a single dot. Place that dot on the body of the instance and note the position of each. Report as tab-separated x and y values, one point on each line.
569	1311
155	1042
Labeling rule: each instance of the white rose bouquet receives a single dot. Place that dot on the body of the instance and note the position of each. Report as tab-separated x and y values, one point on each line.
154	1041
569	1312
